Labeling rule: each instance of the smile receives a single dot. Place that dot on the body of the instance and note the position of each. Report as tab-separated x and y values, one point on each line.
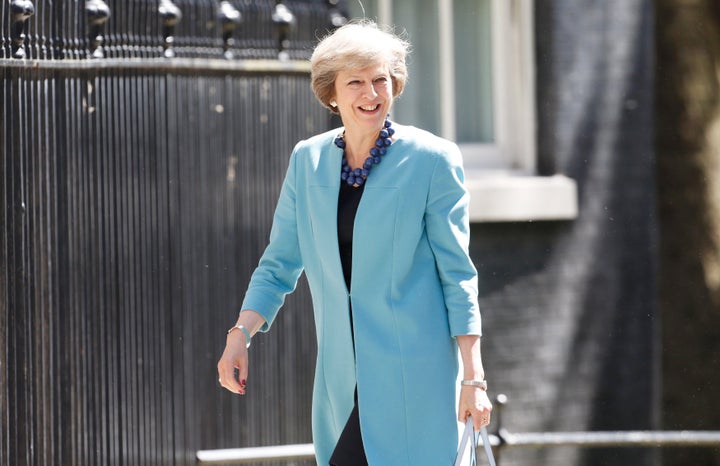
369	108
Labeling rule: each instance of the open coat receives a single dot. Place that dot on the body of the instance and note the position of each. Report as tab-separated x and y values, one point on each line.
414	288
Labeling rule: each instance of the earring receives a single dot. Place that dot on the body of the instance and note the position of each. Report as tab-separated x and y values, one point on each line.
333	103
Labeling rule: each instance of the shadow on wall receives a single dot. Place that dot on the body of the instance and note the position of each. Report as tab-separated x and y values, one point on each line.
688	141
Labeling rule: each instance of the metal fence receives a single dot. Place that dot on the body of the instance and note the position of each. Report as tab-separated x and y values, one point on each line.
141	153
501	440
81	29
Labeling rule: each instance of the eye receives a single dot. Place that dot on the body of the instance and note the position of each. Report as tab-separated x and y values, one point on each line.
381	79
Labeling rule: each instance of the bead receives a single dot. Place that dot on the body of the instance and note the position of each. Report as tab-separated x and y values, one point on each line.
359	175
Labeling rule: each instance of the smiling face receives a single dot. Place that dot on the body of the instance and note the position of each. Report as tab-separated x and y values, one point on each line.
364	97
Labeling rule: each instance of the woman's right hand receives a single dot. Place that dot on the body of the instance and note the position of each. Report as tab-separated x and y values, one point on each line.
233	364
235	357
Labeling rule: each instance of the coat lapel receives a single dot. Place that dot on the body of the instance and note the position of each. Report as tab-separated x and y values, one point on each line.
323	186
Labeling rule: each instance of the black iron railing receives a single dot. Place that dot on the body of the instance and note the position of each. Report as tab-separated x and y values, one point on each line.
142	148
77	29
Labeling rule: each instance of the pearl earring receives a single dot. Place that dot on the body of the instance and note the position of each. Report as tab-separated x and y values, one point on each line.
333	103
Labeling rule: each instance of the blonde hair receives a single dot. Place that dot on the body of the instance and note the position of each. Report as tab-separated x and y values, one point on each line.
356	45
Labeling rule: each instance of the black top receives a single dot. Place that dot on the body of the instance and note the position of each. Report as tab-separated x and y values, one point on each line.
348	201
349	451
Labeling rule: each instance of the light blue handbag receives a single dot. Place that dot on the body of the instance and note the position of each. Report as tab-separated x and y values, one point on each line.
472	437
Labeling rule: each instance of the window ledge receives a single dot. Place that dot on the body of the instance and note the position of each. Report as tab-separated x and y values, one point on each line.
503	196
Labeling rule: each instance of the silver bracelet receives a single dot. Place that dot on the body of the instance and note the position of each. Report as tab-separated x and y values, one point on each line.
482	384
243	330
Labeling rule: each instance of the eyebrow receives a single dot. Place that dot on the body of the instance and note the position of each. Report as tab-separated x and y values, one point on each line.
374	76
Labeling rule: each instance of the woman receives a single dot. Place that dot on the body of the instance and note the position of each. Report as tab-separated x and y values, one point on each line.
376	215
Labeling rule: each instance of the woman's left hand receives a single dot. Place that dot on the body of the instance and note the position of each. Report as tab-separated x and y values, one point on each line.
474	401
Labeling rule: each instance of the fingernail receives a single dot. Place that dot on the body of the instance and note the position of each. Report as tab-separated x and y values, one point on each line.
242	382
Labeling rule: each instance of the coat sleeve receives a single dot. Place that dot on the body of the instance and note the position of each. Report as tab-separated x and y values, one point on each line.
448	229
281	264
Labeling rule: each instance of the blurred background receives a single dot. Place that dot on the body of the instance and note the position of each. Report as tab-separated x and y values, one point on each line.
142	148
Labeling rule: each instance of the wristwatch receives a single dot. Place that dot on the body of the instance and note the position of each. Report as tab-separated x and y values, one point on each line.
481	384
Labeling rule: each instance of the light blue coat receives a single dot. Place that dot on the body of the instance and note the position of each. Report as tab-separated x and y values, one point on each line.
414	287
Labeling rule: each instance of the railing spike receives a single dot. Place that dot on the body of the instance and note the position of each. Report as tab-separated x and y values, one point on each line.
284	21
171	16
98	12
336	18
20	10
228	17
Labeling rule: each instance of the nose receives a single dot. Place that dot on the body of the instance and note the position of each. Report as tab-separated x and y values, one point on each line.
369	90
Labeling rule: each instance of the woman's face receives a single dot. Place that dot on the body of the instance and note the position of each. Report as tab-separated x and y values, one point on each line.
364	97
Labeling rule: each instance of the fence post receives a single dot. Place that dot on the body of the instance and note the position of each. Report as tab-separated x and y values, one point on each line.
500	431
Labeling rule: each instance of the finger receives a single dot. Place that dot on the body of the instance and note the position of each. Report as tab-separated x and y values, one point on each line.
480	418
484	418
462	416
235	384
242	375
231	384
228	379
479	422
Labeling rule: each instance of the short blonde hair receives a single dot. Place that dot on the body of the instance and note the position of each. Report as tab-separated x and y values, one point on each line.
356	45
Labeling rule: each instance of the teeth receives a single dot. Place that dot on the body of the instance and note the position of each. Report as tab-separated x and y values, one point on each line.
369	108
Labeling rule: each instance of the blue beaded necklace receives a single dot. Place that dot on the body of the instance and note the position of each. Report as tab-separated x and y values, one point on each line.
358	176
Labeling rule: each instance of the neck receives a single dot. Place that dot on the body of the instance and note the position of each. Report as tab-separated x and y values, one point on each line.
358	145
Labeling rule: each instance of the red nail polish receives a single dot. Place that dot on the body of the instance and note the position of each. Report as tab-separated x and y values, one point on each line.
242	382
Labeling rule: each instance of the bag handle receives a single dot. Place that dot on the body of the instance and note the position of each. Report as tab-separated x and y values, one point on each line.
470	435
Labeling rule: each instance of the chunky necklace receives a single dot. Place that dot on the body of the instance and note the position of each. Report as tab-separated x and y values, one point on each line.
359	175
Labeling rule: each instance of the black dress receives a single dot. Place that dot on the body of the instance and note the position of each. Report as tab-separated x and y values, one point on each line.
349	450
